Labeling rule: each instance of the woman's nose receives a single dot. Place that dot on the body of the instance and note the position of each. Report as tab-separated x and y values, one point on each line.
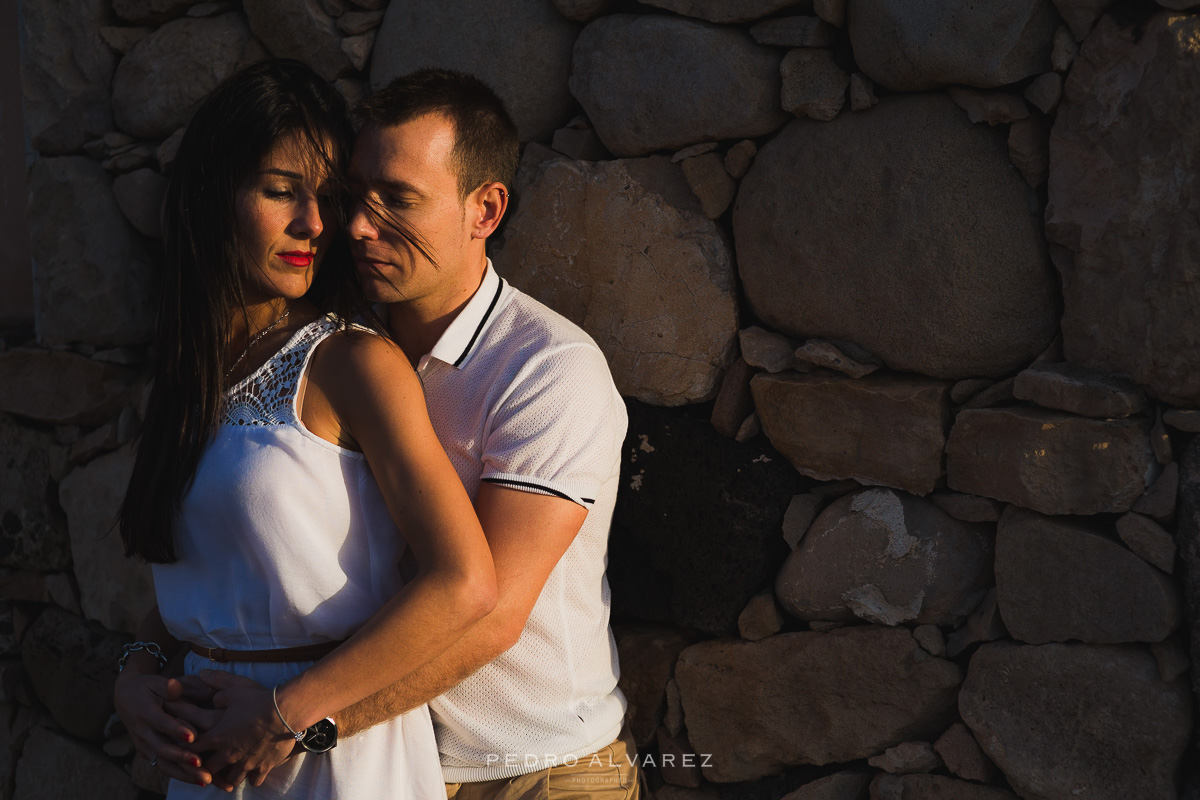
307	223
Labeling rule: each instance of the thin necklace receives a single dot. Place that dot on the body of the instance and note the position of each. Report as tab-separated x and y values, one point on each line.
256	339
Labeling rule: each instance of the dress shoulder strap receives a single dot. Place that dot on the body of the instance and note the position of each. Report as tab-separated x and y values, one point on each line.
266	396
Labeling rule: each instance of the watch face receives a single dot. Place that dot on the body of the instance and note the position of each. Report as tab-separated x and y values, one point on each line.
321	737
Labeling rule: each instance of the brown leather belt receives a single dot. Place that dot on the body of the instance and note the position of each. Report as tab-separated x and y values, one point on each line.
305	652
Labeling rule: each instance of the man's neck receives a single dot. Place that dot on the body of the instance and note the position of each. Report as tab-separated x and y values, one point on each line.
419	324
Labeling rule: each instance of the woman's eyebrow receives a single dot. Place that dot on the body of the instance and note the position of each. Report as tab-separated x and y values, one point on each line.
283	173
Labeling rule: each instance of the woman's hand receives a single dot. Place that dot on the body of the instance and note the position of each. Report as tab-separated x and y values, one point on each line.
141	696
247	740
158	736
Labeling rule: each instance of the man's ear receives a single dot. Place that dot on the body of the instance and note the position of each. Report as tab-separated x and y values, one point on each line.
487	206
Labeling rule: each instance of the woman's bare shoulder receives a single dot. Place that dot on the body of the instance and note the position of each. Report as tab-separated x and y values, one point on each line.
357	359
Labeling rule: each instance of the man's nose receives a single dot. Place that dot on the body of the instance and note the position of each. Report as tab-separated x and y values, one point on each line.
362	222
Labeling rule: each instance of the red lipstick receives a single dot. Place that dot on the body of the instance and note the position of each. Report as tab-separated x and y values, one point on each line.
297	258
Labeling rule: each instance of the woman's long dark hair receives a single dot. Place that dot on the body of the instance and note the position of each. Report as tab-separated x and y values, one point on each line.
228	138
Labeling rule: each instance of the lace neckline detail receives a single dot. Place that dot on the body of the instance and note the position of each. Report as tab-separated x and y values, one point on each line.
267	395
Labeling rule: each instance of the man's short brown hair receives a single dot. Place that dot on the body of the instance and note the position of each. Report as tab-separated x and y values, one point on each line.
486	148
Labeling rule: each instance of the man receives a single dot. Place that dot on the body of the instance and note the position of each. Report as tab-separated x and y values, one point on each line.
525	705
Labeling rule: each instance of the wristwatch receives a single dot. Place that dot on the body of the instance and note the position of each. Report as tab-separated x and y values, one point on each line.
320	737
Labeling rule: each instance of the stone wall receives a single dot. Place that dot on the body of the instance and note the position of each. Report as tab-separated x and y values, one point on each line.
903	299
16	277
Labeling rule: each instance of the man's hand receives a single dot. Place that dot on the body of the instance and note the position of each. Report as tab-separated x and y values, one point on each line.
195	707
247	741
140	699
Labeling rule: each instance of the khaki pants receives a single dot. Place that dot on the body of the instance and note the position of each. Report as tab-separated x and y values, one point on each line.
610	774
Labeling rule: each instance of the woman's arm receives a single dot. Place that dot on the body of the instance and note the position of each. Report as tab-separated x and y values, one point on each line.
140	693
364	385
377	397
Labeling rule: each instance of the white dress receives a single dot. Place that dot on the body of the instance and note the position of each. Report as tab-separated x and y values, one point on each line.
284	540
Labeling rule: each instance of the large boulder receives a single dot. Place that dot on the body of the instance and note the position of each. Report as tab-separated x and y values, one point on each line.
114	590
661	83
903	229
66	69
933	787
1051	462
140	196
300	30
623	249
91	273
811	698
1187	539
1081	15
884	430
887	557
583	10
849	784
520	48
54	766
1078	720
61	388
32	536
1126	251
725	10
647	655
159	82
143	12
1060	580
1080	390
71	665
696	529
909	46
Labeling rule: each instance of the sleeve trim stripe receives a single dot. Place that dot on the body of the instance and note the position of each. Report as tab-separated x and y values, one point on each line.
506	481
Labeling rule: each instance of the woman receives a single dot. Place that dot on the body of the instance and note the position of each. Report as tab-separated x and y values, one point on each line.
282	456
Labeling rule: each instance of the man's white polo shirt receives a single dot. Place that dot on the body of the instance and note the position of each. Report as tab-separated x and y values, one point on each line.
522	397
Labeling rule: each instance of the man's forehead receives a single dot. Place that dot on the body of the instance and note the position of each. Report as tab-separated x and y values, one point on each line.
405	151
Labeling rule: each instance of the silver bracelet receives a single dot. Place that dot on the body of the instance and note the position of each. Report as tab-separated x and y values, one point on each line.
150	647
297	735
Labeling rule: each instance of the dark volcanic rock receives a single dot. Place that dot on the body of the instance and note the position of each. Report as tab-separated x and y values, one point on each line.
521	48
903	229
32	535
98	251
862	690
622	249
653	82
696	529
61	388
1079	390
887	429
1058	580
887	557
72	665
647	657
933	787
910	46
1051	462
158	84
1187	539
66	69
1126	728
1127	253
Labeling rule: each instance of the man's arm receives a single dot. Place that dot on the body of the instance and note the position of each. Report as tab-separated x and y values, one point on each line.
528	534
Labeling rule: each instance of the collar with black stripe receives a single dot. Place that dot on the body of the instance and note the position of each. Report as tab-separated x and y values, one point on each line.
458	342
